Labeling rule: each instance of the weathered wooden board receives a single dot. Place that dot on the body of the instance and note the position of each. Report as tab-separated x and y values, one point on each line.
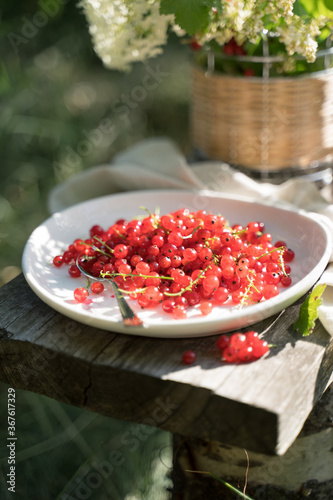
261	406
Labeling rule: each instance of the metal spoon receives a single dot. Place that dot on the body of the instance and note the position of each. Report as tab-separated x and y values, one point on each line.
128	315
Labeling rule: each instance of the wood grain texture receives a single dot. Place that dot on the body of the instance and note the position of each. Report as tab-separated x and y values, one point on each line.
261	406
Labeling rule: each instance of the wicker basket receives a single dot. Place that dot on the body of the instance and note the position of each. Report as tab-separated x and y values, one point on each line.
263	124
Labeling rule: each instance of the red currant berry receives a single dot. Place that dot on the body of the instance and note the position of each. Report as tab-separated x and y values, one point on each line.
153	250
230	354
228	272
238	340
58	261
211	282
96	231
223	342
242	271
206	307
135	259
286	281
181	301
175	238
189	357
245	354
120	251
74	271
190	254
123	269
220	295
152	293
256	293
67	257
143	301
288	255
252	337
164	262
179	312
80	294
168	305
270	291
272	278
280	244
193	298
142	268
97	287
205	254
259	349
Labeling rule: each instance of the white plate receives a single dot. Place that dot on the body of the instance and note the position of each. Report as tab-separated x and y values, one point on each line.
305	235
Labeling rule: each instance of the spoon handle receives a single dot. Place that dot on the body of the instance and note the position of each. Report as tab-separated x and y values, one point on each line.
128	315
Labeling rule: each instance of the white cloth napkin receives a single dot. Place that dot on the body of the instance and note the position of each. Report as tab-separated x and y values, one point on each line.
157	164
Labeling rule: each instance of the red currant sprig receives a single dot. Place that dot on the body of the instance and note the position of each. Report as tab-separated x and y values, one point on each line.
236	348
242	347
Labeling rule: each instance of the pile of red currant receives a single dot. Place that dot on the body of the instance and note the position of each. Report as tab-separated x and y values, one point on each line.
236	348
182	259
242	347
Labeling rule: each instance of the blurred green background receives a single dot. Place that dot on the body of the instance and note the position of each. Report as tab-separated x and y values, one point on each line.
54	93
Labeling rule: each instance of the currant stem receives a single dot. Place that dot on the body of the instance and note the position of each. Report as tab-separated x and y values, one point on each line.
103	242
272	324
189	287
153	215
282	265
130	275
190	235
269	252
96	248
120	236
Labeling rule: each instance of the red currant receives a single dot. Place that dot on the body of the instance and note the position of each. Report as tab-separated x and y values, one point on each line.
189	357
97	287
288	255
74	271
223	342
80	294
206	307
58	261
179	312
286	281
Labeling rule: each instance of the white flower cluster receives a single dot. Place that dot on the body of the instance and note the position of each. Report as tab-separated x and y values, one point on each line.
125	31
232	24
246	20
299	37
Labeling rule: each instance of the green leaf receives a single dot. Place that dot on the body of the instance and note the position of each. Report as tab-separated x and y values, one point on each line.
329	4
315	8
309	311
228	485
192	18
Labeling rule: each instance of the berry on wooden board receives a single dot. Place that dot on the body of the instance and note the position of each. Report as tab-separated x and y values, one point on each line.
189	357
242	347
